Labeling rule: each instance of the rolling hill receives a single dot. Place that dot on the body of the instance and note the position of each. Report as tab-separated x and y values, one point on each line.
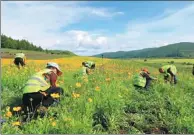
37	55
10	46
182	49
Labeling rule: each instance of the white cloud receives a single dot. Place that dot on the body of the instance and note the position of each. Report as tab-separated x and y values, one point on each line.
172	28
40	23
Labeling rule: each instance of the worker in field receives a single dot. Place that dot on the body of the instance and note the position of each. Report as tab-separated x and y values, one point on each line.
83	72
91	66
169	72
143	79
20	59
41	88
85	69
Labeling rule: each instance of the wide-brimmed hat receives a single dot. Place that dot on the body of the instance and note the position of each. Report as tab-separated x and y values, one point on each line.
53	64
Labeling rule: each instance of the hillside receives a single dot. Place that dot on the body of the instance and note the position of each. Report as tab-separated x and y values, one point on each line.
183	49
38	55
11	46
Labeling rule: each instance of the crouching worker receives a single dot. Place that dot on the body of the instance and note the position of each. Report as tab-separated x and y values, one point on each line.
41	87
20	59
169	71
85	70
90	64
143	79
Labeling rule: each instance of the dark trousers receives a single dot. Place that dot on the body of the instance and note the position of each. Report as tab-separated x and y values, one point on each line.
31	101
175	79
148	83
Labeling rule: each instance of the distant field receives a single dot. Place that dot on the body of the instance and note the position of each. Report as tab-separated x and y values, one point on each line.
166	60
9	53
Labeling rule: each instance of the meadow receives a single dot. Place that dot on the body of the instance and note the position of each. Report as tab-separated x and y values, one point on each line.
106	102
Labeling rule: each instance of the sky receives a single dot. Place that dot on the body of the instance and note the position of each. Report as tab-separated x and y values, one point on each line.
92	27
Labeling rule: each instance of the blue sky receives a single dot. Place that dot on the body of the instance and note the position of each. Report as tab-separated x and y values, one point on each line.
88	28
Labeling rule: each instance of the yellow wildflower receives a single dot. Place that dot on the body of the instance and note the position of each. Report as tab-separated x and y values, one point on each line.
75	95
8	114
78	85
54	124
107	79
16	109
89	100
97	88
55	95
17	123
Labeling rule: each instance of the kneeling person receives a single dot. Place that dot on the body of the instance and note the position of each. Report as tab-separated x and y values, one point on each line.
85	70
143	79
90	64
40	87
20	59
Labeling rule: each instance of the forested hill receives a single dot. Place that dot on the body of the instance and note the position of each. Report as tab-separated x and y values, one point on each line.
9	43
183	49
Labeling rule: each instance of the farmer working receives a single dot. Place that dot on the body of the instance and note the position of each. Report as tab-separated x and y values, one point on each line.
169	71
20	59
85	70
90	64
40	88
143	79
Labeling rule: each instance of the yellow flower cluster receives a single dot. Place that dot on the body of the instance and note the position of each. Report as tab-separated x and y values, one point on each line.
78	85
75	95
8	114
89	100
55	95
16	109
17	123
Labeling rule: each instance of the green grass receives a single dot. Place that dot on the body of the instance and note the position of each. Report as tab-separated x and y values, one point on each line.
164	108
9	53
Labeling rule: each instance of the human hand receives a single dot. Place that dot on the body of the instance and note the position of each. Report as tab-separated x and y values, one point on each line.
44	93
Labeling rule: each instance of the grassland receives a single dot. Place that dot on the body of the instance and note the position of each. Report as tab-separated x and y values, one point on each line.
108	93
34	55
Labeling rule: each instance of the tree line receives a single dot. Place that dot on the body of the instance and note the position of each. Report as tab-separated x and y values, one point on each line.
8	42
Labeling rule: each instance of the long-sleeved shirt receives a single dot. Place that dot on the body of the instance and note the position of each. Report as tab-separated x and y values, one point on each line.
147	76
